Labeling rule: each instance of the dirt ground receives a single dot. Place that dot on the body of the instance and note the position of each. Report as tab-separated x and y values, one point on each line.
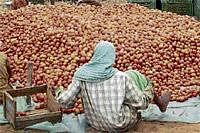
158	127
143	127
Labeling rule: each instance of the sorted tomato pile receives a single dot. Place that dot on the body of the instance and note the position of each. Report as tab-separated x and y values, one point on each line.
40	99
77	109
58	39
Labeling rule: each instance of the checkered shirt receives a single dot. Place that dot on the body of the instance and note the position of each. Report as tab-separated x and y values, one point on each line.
110	105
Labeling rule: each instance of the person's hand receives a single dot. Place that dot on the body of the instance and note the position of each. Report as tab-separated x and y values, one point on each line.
58	91
55	91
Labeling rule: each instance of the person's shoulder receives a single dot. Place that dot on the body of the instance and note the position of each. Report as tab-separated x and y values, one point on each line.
3	55
120	73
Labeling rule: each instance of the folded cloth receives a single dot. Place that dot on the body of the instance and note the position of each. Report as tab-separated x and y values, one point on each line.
76	123
48	127
140	82
70	124
188	112
137	79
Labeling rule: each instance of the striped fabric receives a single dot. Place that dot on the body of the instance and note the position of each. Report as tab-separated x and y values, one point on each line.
111	105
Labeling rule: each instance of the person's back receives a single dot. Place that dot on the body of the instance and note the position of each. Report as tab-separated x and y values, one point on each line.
104	103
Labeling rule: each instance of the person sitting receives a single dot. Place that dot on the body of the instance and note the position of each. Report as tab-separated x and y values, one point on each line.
111	100
5	74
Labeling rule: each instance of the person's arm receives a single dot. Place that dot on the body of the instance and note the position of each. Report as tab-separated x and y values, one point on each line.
136	98
70	96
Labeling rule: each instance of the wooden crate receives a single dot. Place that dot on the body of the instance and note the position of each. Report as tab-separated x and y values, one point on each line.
8	87
53	113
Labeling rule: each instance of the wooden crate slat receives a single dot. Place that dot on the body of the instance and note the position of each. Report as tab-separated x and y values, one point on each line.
10	108
37	116
9	102
52	105
10	105
34	119
28	91
10	113
4	104
37	112
9	96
